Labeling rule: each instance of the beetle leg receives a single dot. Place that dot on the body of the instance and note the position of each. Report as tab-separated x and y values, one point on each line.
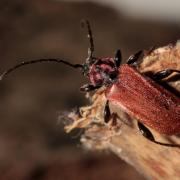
107	112
78	112
147	134
134	58
88	88
118	58
164	73
110	116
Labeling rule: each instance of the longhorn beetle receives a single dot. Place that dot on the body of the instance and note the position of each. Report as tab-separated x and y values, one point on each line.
140	96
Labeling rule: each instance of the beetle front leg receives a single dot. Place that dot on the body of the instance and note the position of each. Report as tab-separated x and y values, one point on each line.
164	73
147	134
107	112
88	88
110	116
118	58
133	59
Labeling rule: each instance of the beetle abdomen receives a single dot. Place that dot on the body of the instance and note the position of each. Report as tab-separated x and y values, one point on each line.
145	100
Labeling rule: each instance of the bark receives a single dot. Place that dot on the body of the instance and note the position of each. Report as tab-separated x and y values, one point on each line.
121	135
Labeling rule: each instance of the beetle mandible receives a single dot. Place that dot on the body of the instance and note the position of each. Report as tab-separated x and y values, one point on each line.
138	95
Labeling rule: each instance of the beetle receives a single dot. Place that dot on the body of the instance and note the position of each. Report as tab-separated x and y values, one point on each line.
138	95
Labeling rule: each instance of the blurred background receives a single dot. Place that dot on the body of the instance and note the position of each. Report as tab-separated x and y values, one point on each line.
33	144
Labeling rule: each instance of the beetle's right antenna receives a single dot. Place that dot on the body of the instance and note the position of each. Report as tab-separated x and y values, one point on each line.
76	66
90	37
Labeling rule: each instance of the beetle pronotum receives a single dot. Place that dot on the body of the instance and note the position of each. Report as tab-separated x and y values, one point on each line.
140	96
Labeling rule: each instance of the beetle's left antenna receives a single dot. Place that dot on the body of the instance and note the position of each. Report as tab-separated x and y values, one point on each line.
39	61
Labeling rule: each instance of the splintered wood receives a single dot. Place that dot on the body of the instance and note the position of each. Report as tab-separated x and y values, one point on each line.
121	136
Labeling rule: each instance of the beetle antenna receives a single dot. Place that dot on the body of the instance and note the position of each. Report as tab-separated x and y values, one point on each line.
39	61
91	42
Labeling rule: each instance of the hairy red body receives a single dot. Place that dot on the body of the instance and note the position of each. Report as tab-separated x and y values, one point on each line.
106	64
145	100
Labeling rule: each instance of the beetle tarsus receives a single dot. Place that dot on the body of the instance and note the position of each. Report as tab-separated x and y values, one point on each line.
88	88
118	58
164	73
148	135
133	59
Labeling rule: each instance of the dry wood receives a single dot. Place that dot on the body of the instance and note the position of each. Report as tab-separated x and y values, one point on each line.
121	135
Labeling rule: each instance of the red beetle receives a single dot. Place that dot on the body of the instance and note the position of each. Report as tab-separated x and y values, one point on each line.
140	96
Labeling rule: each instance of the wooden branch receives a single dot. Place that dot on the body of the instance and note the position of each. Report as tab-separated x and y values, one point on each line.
122	136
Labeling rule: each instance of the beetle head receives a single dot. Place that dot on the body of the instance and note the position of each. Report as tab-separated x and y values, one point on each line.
103	71
100	71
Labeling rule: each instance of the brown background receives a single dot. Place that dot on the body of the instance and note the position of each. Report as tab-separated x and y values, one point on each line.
33	144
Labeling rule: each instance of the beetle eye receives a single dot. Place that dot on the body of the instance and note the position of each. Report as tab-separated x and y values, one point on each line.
113	75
